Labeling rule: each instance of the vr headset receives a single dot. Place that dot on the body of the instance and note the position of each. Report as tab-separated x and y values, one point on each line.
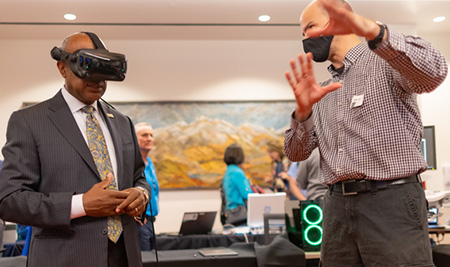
93	64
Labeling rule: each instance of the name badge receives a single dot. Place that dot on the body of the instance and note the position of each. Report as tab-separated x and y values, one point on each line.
357	101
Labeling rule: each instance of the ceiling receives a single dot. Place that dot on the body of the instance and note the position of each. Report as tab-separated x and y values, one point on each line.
195	19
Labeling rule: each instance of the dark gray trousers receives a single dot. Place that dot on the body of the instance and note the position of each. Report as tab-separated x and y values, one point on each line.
384	228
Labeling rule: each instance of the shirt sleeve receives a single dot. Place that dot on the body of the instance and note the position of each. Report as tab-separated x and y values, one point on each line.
242	184
300	139
420	67
77	207
293	169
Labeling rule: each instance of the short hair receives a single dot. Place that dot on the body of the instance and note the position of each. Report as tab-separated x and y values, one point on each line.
234	155
141	125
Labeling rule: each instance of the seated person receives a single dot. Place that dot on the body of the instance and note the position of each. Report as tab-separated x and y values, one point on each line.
236	186
295	191
280	165
308	178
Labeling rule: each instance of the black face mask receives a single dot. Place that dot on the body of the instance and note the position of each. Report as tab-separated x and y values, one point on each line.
319	47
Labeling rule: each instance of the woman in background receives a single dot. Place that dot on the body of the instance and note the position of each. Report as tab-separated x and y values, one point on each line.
236	186
280	166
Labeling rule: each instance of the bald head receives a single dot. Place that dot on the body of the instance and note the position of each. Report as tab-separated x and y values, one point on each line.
343	3
84	90
314	6
315	15
76	42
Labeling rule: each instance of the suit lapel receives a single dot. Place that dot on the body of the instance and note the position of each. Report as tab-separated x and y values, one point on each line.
116	136
64	121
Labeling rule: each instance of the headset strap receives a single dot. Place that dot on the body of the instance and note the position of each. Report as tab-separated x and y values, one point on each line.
97	42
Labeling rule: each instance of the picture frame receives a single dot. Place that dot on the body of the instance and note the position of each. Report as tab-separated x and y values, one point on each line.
190	137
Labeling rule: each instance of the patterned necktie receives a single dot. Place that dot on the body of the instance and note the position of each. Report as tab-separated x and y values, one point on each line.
99	151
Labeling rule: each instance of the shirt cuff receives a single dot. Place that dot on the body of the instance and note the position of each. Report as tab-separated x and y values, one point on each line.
77	207
308	124
393	46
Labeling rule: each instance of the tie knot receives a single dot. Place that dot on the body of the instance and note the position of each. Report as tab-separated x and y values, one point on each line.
87	109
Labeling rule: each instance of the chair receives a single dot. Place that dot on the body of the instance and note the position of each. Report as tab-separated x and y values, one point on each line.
20	247
27	241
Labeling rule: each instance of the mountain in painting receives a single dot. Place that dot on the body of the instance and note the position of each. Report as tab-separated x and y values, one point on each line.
191	155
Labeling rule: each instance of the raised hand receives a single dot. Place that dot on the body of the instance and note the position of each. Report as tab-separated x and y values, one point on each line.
306	89
343	21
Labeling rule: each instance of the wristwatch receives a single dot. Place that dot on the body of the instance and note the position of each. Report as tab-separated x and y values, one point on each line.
377	40
145	194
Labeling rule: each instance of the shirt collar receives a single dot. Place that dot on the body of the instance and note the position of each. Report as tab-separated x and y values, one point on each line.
350	58
74	104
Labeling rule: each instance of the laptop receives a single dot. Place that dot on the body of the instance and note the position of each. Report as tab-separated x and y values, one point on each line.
218	251
197	223
258	204
433	221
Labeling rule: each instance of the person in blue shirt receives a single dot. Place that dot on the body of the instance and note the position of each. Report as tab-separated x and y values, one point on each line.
144	133
236	186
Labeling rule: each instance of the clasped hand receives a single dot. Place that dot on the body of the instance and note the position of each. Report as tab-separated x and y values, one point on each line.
100	202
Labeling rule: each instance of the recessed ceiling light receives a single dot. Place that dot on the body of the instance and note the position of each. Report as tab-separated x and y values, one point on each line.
264	18
70	17
439	19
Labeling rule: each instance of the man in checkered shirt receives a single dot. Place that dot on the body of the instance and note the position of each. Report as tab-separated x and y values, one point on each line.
366	122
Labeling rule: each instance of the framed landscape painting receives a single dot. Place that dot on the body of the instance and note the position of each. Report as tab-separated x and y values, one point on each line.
191	137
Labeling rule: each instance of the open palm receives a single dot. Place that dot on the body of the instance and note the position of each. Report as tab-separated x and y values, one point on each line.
343	21
306	89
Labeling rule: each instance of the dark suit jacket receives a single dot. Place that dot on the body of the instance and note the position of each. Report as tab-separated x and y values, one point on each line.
46	161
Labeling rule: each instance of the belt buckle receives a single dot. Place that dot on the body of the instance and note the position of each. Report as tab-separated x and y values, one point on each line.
343	188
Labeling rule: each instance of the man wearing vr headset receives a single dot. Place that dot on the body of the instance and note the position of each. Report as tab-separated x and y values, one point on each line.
52	178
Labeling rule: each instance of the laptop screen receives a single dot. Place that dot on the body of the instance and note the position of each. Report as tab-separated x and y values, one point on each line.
197	223
258	204
434	219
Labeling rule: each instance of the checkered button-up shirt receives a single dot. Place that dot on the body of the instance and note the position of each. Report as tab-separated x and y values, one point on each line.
371	127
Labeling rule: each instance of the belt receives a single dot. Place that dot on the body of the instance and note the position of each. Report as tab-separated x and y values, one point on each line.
353	187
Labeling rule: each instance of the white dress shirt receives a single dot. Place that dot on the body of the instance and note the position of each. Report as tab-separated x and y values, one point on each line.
75	106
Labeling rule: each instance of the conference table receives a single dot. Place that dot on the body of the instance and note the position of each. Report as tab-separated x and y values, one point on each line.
192	258
183	251
439	230
175	242
172	258
176	250
280	251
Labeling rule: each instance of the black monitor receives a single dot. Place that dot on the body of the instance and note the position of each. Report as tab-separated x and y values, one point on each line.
429	147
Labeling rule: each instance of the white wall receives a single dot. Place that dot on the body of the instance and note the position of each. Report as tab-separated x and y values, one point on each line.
159	70
435	111
188	70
